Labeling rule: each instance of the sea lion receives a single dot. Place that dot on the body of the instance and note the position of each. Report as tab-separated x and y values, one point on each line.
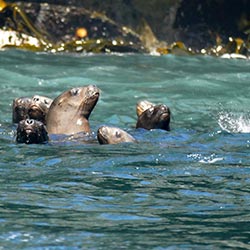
113	135
31	131
38	108
20	108
142	106
69	112
156	117
33	108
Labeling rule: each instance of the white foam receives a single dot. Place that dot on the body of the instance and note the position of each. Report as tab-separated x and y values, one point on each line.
234	124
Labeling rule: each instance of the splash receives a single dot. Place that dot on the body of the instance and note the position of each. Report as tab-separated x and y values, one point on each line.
233	122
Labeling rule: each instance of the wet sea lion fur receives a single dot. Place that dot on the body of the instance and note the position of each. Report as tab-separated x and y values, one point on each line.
20	107
155	117
142	106
70	111
35	107
39	108
113	135
31	131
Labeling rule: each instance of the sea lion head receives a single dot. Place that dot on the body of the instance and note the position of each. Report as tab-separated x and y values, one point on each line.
31	131
20	108
42	100
113	135
156	117
39	107
69	112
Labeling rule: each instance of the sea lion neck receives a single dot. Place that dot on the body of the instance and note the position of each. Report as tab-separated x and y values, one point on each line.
90	103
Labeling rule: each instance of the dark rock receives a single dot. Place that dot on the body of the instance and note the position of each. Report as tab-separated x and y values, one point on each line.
196	23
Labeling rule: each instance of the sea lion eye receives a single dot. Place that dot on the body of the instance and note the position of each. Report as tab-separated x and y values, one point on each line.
117	134
151	110
74	91
164	108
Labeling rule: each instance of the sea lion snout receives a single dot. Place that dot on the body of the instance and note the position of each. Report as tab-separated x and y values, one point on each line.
39	108
102	134
31	131
92	86
93	91
29	121
164	110
28	125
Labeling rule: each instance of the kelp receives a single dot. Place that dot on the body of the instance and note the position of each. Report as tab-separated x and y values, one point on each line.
235	48
14	13
176	48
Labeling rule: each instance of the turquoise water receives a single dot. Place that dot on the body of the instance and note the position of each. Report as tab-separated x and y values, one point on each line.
184	189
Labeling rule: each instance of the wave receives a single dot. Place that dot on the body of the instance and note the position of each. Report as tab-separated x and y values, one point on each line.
233	122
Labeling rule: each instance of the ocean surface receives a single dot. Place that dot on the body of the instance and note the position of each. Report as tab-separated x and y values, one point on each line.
188	188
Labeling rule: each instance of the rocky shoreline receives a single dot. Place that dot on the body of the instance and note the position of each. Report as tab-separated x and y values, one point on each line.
205	27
